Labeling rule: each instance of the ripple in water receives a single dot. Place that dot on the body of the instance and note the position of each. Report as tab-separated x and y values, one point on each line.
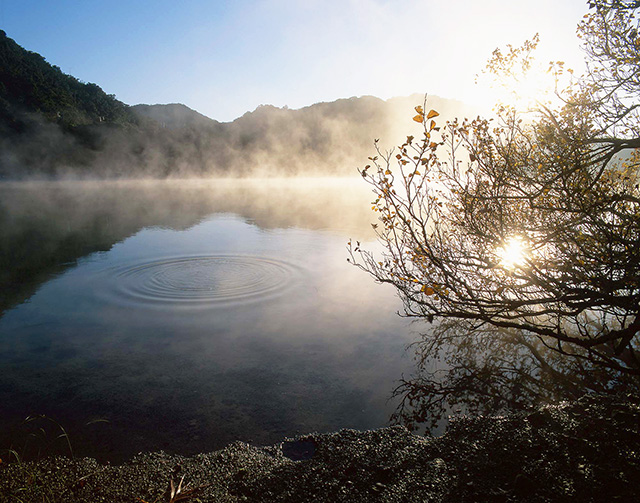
201	281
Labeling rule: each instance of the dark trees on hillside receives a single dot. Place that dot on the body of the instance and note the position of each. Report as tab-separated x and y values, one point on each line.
28	82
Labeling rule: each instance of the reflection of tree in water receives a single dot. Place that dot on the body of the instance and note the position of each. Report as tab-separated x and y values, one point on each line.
492	371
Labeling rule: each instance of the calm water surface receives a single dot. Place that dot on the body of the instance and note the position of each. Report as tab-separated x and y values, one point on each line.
186	315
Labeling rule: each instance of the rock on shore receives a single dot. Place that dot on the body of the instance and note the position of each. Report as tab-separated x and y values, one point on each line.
588	450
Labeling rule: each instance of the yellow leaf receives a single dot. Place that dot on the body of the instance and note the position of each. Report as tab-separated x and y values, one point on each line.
432	125
419	118
431	114
420	110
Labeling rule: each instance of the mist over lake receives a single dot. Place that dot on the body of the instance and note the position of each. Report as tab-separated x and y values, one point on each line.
184	315
256	251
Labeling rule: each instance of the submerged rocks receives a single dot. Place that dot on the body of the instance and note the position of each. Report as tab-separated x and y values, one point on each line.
588	450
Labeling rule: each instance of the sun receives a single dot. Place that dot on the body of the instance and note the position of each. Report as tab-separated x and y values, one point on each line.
532	89
521	79
513	253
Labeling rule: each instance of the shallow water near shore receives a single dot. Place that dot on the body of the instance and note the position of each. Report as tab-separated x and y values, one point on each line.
184	315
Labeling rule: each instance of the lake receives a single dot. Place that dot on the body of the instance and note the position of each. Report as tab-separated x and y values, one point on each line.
184	315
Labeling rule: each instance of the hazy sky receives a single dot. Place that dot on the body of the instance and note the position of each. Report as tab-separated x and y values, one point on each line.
224	58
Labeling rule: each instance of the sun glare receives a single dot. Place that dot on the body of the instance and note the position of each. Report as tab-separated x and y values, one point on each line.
533	88
513	253
528	87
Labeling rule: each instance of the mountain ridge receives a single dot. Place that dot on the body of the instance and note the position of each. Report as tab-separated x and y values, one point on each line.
52	126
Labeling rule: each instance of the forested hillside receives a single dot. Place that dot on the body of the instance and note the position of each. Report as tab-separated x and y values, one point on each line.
53	125
29	83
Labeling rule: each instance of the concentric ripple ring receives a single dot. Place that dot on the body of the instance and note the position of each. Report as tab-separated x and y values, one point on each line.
202	281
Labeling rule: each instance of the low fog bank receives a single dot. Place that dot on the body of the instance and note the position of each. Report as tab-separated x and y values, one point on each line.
173	141
53	125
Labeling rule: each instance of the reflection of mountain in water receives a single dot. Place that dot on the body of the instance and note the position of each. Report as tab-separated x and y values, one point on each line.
46	227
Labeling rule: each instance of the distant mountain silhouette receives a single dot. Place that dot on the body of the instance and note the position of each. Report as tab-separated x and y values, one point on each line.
174	116
53	125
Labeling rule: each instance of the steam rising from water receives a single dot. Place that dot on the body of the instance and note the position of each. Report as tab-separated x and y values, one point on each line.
172	141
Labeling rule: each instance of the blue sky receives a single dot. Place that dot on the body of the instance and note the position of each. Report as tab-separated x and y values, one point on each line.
224	58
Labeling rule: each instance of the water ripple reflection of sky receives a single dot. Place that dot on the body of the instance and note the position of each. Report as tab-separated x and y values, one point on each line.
186	338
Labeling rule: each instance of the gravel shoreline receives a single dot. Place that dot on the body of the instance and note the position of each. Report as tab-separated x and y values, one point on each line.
587	450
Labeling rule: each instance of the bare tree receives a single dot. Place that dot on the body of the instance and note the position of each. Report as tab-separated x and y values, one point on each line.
523	240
